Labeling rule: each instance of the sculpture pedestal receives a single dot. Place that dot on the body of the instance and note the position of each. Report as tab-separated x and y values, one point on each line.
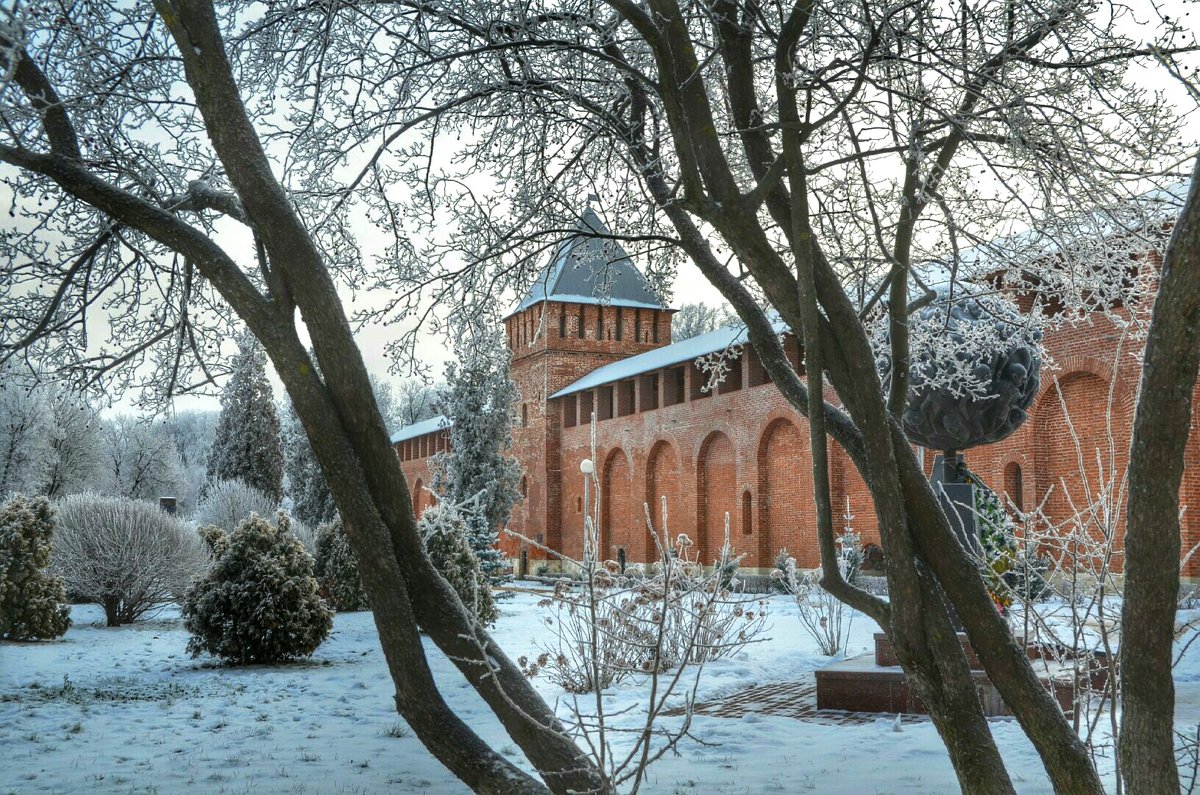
876	683
957	497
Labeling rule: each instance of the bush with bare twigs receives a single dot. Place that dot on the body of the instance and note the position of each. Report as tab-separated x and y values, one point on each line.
825	618
614	626
227	503
128	556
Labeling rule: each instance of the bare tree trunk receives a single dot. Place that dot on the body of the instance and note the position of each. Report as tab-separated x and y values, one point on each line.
112	616
916	619
1152	535
922	549
363	470
339	414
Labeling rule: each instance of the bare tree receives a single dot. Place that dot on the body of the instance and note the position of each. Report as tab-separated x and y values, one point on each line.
193	432
1152	538
121	218
818	156
73	439
414	401
129	557
835	159
24	429
138	459
693	320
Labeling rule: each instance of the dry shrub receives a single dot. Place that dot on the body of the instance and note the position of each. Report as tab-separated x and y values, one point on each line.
618	625
128	556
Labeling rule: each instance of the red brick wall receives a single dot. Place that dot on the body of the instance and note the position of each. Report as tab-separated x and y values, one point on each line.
1074	458
1190	493
707	454
785	495
549	354
662	481
716	495
618	520
416	473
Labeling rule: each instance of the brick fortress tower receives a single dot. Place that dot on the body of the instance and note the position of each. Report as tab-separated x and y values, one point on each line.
590	306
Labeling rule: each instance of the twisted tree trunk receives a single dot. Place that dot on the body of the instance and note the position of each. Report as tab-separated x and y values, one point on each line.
1152	534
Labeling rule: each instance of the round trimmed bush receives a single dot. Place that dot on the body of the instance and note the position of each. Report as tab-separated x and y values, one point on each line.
31	598
227	503
337	569
128	556
260	602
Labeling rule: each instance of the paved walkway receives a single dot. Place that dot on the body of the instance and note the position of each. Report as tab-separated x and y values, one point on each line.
786	699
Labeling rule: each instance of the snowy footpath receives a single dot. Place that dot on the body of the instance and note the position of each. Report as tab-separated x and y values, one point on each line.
128	711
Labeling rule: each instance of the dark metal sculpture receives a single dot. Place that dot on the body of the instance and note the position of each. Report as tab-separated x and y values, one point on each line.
969	384
946	416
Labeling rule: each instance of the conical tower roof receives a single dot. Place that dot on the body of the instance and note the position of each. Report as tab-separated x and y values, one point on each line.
590	267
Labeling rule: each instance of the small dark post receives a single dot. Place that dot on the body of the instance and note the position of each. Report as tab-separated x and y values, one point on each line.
957	497
167	504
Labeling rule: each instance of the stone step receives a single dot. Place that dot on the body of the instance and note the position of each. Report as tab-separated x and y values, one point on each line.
885	653
859	684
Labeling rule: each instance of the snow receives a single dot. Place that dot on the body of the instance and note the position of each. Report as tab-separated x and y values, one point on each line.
685	351
438	423
126	710
580	298
591	267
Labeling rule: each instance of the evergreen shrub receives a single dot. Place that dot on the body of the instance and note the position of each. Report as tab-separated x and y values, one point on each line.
337	569
445	534
31	598
260	603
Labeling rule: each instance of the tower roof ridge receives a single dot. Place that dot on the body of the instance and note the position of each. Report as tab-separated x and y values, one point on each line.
591	267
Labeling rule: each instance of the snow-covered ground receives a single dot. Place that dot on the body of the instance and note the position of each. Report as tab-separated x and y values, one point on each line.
127	710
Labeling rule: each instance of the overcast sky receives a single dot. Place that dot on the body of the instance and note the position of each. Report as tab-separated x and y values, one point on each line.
690	285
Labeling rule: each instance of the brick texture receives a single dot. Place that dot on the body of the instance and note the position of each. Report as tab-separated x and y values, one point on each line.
742	450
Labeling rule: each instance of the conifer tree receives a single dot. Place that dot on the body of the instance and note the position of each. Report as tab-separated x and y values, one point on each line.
31	598
336	569
312	502
247	445
476	475
444	532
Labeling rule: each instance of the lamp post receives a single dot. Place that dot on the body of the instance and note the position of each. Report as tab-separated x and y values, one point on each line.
588	469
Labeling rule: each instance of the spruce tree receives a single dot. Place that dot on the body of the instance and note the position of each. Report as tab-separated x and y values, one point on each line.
312	503
31	598
336	569
444	532
476	475
247	445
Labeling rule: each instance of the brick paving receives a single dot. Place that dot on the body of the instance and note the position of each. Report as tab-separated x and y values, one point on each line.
796	700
